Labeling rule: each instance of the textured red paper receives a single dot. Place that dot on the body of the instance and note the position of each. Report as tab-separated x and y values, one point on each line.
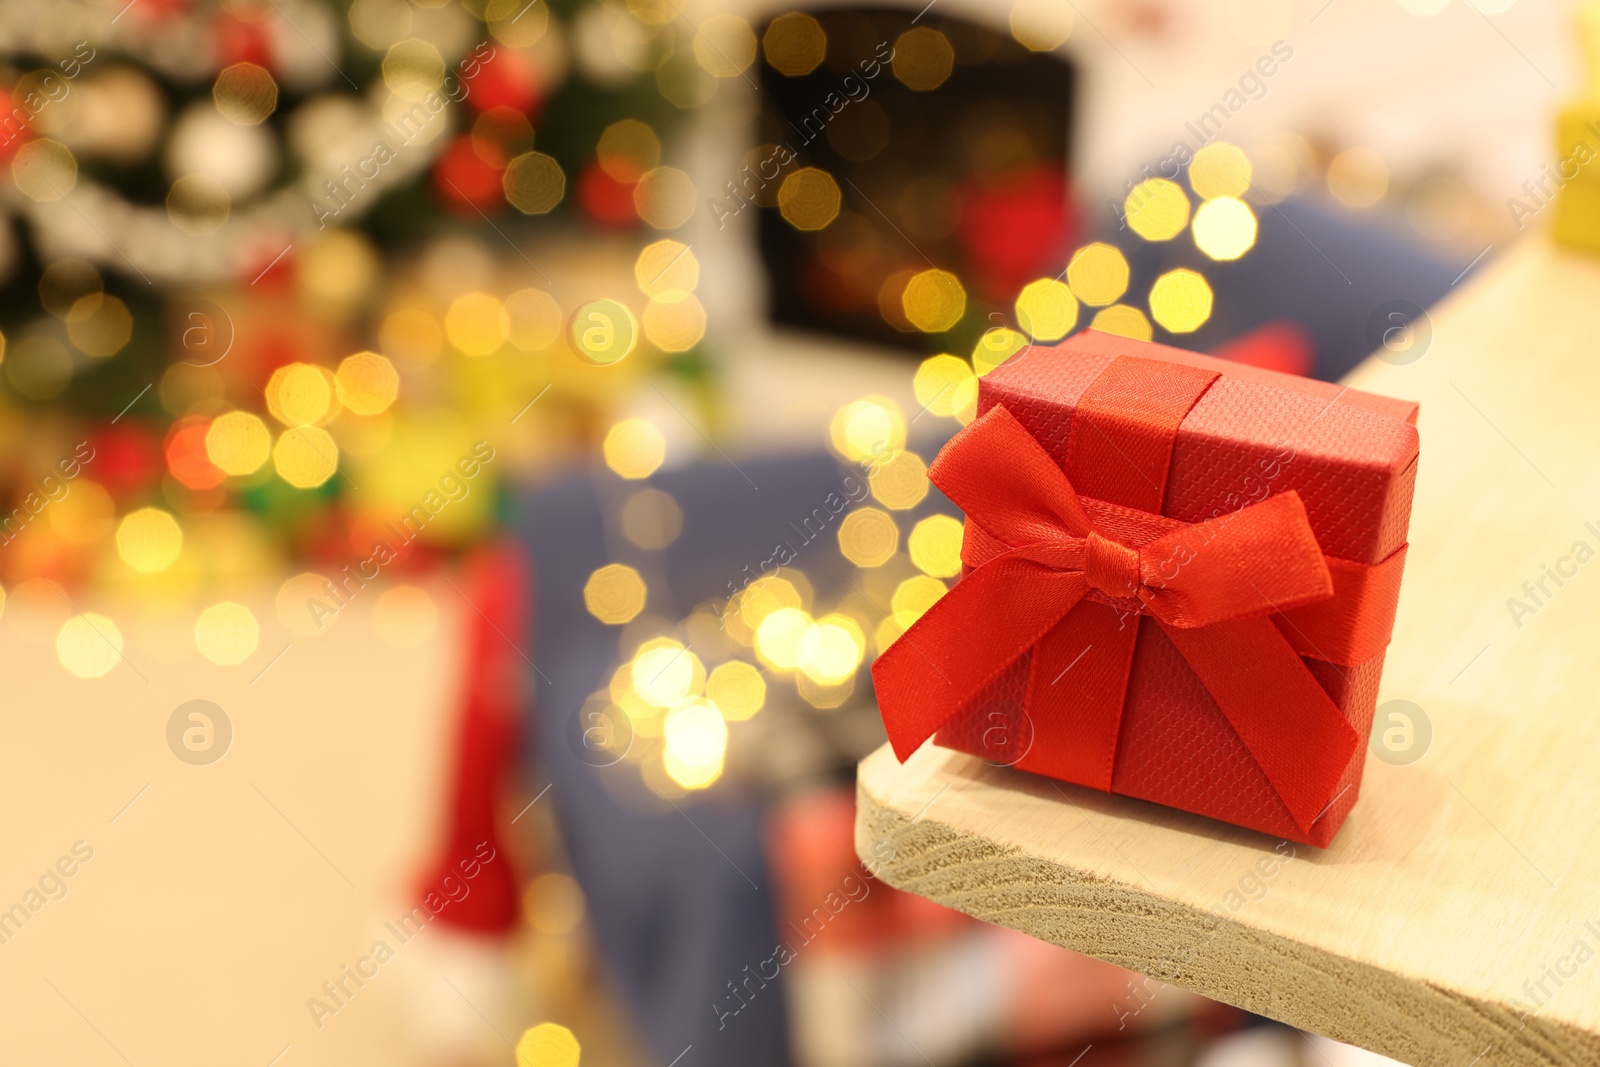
1353	464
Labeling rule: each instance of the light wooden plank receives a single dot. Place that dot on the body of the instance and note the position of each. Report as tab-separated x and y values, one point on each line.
1457	913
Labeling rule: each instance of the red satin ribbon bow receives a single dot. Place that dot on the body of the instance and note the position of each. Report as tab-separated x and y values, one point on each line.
1067	577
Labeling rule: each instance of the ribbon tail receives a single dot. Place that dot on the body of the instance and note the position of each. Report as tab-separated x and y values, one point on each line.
963	642
1076	686
1297	735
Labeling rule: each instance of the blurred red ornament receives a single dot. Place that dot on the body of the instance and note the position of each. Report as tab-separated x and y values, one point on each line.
1016	230
186	454
268	266
463	178
506	79
15	130
127	457
1281	345
241	41
604	198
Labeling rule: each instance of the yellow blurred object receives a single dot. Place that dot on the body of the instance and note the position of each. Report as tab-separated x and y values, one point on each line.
1224	228
666	674
547	1045
1098	274
1123	320
477	324
995	347
614	594
913	597
1041	25
99	325
944	384
737	689
533	320
794	44
553	904
84	515
934	300
226	633
869	429
766	595
413	68
809	198
89	645
305	456
1046	310
149	539
831	650
922	58
299	394
1576	223
534	183
778	638
367	383
665	198
245	94
1219	169
900	482
628	149
603	332
44	170
675	326
634	448
868	537
935	546
696	741
667	271
725	45
1181	300
1157	209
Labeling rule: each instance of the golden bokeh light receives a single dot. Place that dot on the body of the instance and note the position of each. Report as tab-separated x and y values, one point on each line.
913	597
227	633
1224	228
766	595
868	429
1219	169
822	696
725	45
1180	301
634	448
995	347
794	44
99	325
547	1045
900	482
1358	177
603	332
675	326
1041	25
516	23
305	456
413	68
667	270
44	170
832	649
533	320
945	384
1098	274
83	516
198	204
405	616
809	198
476	324
779	635
553	905
89	645
922	59
306	604
367	383
1123	320
650	519
696	742
411	335
868	537
934	300
628	149
666	674
245	94
534	183
1157	209
737	689
614	594
935	546
664	198
238	443
299	394
149	539
1046	310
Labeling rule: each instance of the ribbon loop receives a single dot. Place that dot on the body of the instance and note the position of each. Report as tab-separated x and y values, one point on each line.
1110	567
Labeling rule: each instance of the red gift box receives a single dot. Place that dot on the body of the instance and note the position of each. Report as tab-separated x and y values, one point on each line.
1180	578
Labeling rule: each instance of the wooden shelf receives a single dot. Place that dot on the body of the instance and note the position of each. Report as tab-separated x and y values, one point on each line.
1456	917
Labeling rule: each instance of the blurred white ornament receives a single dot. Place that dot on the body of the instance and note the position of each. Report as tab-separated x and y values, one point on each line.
242	158
609	44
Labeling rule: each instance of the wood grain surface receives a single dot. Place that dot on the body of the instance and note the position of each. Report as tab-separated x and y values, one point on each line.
1456	918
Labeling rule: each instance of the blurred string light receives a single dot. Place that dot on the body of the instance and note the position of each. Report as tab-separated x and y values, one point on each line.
1098	274
547	1045
676	325
1046	310
667	271
1220	169
867	429
534	183
149	540
664	198
476	324
995	347
1123	320
89	645
1180	301
614	594
934	300
831	650
900	482
913	597
634	448
628	149
725	45
935	546
300	394
238	443
226	633
1041	25
665	673
696	743
367	383
795	44
945	385
868	537
809	198
1224	228
1157	209
99	325
44	170
737	689
922	59
413	68
245	93
778	637
305	456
